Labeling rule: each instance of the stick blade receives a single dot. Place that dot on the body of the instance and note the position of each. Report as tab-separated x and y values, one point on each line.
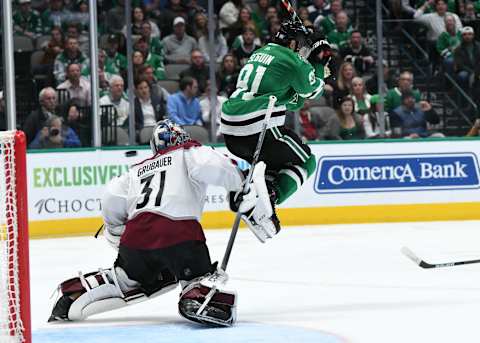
408	253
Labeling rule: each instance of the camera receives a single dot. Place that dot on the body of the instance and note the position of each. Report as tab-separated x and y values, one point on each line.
54	131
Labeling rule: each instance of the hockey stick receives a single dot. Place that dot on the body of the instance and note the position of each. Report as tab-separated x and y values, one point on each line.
407	252
236	223
294	15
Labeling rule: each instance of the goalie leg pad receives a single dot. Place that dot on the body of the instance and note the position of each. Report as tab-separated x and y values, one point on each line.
101	291
220	310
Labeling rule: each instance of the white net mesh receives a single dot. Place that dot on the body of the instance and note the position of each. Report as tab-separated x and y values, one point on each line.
11	328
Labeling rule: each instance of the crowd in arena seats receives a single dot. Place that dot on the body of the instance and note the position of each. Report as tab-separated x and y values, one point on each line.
171	65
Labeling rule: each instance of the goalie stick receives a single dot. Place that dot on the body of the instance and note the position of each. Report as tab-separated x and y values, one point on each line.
236	223
407	252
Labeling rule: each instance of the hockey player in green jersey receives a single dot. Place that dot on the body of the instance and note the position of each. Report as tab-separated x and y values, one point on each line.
292	68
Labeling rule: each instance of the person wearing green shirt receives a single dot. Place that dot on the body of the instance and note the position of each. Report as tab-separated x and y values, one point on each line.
115	62
280	68
327	24
27	22
156	46
151	59
393	98
340	36
448	41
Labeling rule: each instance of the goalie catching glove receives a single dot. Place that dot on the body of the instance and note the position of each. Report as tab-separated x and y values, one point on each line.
256	206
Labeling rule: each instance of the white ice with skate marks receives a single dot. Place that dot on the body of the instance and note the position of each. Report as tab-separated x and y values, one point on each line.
325	284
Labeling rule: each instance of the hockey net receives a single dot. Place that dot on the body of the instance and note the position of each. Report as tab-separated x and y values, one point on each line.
14	264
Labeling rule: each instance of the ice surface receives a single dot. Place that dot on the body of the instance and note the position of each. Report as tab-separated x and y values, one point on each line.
335	283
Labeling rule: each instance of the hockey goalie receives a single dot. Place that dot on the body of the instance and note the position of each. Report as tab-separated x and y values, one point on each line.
151	216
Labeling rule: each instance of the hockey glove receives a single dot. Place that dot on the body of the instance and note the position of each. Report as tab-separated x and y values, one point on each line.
321	52
240	202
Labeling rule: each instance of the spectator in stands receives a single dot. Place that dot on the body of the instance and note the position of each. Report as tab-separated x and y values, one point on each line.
174	9
198	70
357	53
55	134
138	64
388	82
73	31
234	33
138	18
259	16
447	42
26	21
154	43
229	13
115	18
372	119
183	107
340	35
178	46
328	24
220	45
310	124
155	88
81	16
51	50
393	98
200	25
360	96
48	107
472	17
147	107
247	46
346	124
205	107
80	124
154	60
342	86
410	121
466	58
273	27
71	54
77	86
114	61
55	15
317	11
118	99
435	22
228	75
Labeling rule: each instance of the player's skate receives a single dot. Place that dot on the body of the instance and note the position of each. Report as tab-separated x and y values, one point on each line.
201	302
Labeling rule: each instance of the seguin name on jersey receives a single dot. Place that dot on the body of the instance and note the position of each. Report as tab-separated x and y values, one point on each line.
159	162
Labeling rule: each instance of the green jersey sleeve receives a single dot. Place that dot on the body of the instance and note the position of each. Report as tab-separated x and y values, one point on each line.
306	87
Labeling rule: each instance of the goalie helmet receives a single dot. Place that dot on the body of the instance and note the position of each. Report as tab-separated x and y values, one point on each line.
291	30
167	133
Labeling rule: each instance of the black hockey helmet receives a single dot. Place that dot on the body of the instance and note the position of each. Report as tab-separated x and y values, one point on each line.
291	30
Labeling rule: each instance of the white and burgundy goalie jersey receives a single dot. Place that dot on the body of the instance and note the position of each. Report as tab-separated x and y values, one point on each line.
168	188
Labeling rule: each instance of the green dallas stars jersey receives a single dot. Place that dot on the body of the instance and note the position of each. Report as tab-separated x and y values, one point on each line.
271	70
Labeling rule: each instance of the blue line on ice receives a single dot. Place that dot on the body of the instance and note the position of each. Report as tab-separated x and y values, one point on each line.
179	333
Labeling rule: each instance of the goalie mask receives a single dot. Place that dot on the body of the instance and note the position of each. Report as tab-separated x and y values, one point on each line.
167	134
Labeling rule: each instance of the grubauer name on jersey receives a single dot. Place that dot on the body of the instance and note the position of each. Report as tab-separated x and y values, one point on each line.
172	183
271	70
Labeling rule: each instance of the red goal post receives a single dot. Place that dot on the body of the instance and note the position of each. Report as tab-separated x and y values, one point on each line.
15	323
